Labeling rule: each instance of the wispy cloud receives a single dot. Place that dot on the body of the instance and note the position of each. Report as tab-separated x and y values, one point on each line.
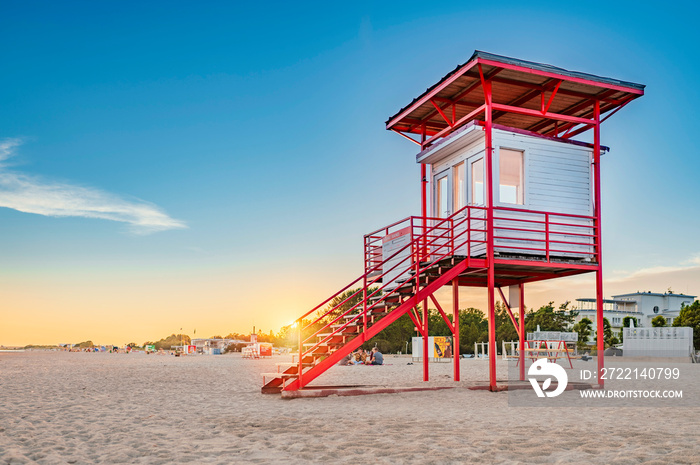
694	260
622	276
31	194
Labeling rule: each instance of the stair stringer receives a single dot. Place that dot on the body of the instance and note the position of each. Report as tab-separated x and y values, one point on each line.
379	326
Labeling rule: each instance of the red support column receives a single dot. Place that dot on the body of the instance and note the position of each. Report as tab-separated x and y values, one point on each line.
521	324
422	256
599	273
300	322
488	194
455	326
426	371
424	209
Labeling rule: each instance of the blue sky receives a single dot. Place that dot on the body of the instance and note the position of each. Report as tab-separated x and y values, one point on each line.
235	153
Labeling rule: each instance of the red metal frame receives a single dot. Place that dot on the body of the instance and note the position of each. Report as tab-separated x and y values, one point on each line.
549	234
599	271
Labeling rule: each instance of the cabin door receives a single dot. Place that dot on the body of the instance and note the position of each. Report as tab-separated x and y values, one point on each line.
450	193
475	188
442	183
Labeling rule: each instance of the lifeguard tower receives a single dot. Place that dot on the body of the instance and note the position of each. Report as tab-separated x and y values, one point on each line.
508	197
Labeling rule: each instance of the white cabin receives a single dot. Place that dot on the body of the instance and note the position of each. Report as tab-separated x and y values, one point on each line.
543	189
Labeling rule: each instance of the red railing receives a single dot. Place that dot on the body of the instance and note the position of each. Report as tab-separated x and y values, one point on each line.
463	233
545	234
439	239
541	234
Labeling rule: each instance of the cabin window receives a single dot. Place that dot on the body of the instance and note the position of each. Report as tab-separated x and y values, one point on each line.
478	182
442	191
458	189
510	184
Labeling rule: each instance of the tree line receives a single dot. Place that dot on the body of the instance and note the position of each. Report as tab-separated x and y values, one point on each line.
473	325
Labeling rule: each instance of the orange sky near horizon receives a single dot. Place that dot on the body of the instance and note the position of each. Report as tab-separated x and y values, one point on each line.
78	307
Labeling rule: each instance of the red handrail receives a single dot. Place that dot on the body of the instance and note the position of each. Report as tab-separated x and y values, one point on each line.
444	242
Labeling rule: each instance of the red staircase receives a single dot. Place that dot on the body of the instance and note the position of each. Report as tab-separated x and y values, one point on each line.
530	246
390	287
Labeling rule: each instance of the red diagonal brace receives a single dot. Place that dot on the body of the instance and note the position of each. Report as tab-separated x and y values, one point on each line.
551	97
510	313
444	316
416	321
442	113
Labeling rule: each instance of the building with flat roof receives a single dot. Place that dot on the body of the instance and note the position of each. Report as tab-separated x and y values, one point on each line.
643	306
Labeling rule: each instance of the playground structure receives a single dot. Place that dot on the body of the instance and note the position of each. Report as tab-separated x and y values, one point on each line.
514	199
551	350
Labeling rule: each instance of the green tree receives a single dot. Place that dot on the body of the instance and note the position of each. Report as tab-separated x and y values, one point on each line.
344	303
505	329
394	338
608	335
168	342
658	321
287	337
627	323
583	328
690	316
473	327
549	319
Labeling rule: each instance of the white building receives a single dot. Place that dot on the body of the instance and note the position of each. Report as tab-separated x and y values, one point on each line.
215	345
643	306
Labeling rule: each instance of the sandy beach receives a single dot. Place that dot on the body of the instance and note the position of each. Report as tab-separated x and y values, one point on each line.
80	408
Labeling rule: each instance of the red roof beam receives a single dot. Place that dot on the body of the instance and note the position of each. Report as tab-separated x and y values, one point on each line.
551	97
549	74
461	95
453	102
413	131
413	122
576	107
531	85
578	131
569	126
526	98
539	114
442	113
431	94
404	135
464	119
454	99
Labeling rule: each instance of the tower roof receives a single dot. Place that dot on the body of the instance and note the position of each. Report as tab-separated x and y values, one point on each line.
530	96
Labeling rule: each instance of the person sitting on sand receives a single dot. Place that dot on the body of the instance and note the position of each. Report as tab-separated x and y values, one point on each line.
347	360
376	358
359	357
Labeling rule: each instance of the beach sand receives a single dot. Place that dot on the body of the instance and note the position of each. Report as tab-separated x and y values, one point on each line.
80	408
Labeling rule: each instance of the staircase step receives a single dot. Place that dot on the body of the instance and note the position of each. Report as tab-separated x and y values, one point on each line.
293	365
273	383
350	330
280	375
311	344
350	324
